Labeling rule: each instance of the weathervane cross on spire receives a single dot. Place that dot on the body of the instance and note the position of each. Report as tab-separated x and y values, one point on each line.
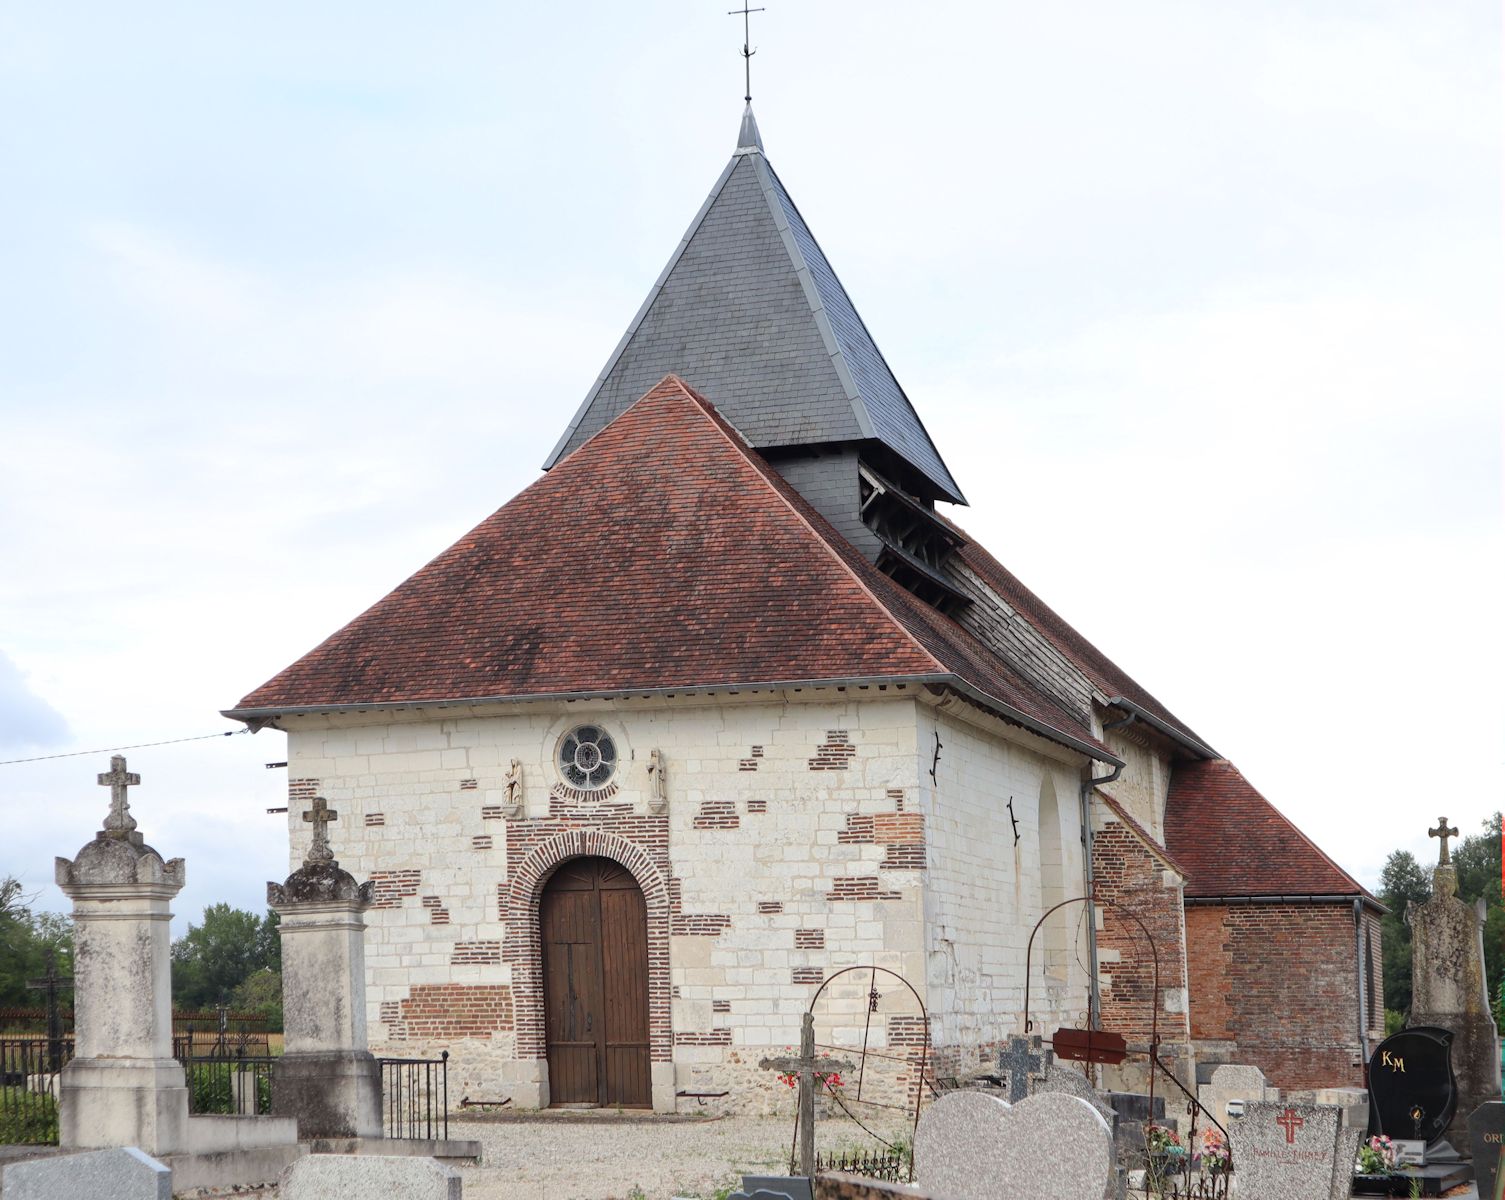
747	51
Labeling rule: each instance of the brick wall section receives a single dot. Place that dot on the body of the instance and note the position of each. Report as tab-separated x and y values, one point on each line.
1283	990
717	814
476	952
813	975
809	939
449	1011
375	819
835	753
392	887
1126	872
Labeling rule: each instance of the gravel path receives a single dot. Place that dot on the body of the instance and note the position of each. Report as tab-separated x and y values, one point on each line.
605	1156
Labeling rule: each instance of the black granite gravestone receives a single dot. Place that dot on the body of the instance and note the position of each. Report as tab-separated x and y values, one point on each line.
1486	1133
1412	1090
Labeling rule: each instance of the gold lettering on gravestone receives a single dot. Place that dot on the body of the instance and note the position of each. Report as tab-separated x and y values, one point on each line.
1394	1061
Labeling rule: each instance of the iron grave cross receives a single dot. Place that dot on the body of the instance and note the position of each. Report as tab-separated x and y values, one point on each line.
118	779
52	983
1442	831
747	51
320	817
807	1066
1021	1060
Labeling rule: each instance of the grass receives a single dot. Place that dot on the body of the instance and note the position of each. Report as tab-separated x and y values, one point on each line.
27	1118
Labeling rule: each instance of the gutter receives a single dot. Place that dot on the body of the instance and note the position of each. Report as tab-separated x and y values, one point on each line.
260	718
1185	741
1090	785
1297	901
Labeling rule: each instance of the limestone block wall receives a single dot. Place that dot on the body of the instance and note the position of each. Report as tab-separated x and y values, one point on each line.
1276	986
1144	785
985	891
793	844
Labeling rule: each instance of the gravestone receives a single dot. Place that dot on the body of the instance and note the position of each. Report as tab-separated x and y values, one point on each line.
387	1177
1292	1152
1072	1083
973	1146
838	1186
1231	1081
1447	986
125	1174
779	1187
1486	1132
1412	1091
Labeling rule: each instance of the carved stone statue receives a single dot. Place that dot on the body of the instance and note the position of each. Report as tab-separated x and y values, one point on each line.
513	782
658	791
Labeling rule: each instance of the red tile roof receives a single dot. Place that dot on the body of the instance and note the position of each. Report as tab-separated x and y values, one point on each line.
1105	675
1234	842
663	553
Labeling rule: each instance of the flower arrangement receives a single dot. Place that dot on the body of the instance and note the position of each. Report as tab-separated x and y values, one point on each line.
1161	1139
1376	1157
831	1082
1215	1156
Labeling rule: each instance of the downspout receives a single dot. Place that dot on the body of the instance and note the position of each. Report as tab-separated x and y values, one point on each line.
1363	976
1094	999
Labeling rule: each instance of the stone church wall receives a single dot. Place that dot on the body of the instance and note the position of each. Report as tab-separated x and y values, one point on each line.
794	843
985	891
1276	986
1128	873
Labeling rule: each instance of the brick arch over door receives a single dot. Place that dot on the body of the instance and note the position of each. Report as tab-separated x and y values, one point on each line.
523	950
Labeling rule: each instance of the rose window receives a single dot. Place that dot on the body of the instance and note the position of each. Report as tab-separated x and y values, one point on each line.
587	757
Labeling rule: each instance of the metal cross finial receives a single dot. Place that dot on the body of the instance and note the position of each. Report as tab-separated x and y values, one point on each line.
1442	831
319	817
117	779
747	50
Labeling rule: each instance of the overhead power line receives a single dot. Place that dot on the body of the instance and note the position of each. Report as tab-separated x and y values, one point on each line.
203	737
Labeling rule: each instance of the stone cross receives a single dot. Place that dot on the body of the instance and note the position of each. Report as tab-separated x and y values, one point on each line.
807	1066
118	779
1021	1060
1442	831
319	817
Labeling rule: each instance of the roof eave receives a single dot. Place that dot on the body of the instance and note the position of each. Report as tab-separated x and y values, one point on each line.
262	715
1184	740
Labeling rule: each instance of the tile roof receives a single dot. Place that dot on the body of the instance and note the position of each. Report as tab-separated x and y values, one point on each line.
1234	842
664	553
750	311
1101	671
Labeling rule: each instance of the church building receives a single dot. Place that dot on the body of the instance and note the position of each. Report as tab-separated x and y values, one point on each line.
725	702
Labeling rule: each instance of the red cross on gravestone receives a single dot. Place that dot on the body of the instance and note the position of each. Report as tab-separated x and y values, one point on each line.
1290	1122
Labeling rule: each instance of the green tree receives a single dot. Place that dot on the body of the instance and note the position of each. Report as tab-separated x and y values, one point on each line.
215	957
1402	883
261	992
25	941
1477	860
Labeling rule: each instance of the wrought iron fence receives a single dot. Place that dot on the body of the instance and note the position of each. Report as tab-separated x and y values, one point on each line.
415	1097
219	1034
29	1069
875	1164
237	1084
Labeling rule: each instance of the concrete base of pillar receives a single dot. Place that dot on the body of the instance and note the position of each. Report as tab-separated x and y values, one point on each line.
138	1102
333	1094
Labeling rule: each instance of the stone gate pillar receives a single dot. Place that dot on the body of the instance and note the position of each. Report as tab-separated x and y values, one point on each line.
123	1087
326	1077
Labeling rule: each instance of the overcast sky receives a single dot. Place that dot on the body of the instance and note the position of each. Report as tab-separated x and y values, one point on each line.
1201	303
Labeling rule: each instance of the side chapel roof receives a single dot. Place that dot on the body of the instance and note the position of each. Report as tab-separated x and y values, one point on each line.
1235	843
750	309
664	553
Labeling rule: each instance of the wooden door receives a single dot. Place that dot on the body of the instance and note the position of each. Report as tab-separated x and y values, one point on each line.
594	926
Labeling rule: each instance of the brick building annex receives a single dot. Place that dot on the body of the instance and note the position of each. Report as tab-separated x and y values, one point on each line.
723	703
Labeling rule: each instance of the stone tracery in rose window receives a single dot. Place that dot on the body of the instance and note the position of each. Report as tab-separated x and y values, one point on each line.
587	757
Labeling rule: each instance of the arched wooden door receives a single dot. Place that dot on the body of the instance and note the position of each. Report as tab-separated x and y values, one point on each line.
594	927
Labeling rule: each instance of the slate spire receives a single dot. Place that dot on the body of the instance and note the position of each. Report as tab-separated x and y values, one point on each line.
750	312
